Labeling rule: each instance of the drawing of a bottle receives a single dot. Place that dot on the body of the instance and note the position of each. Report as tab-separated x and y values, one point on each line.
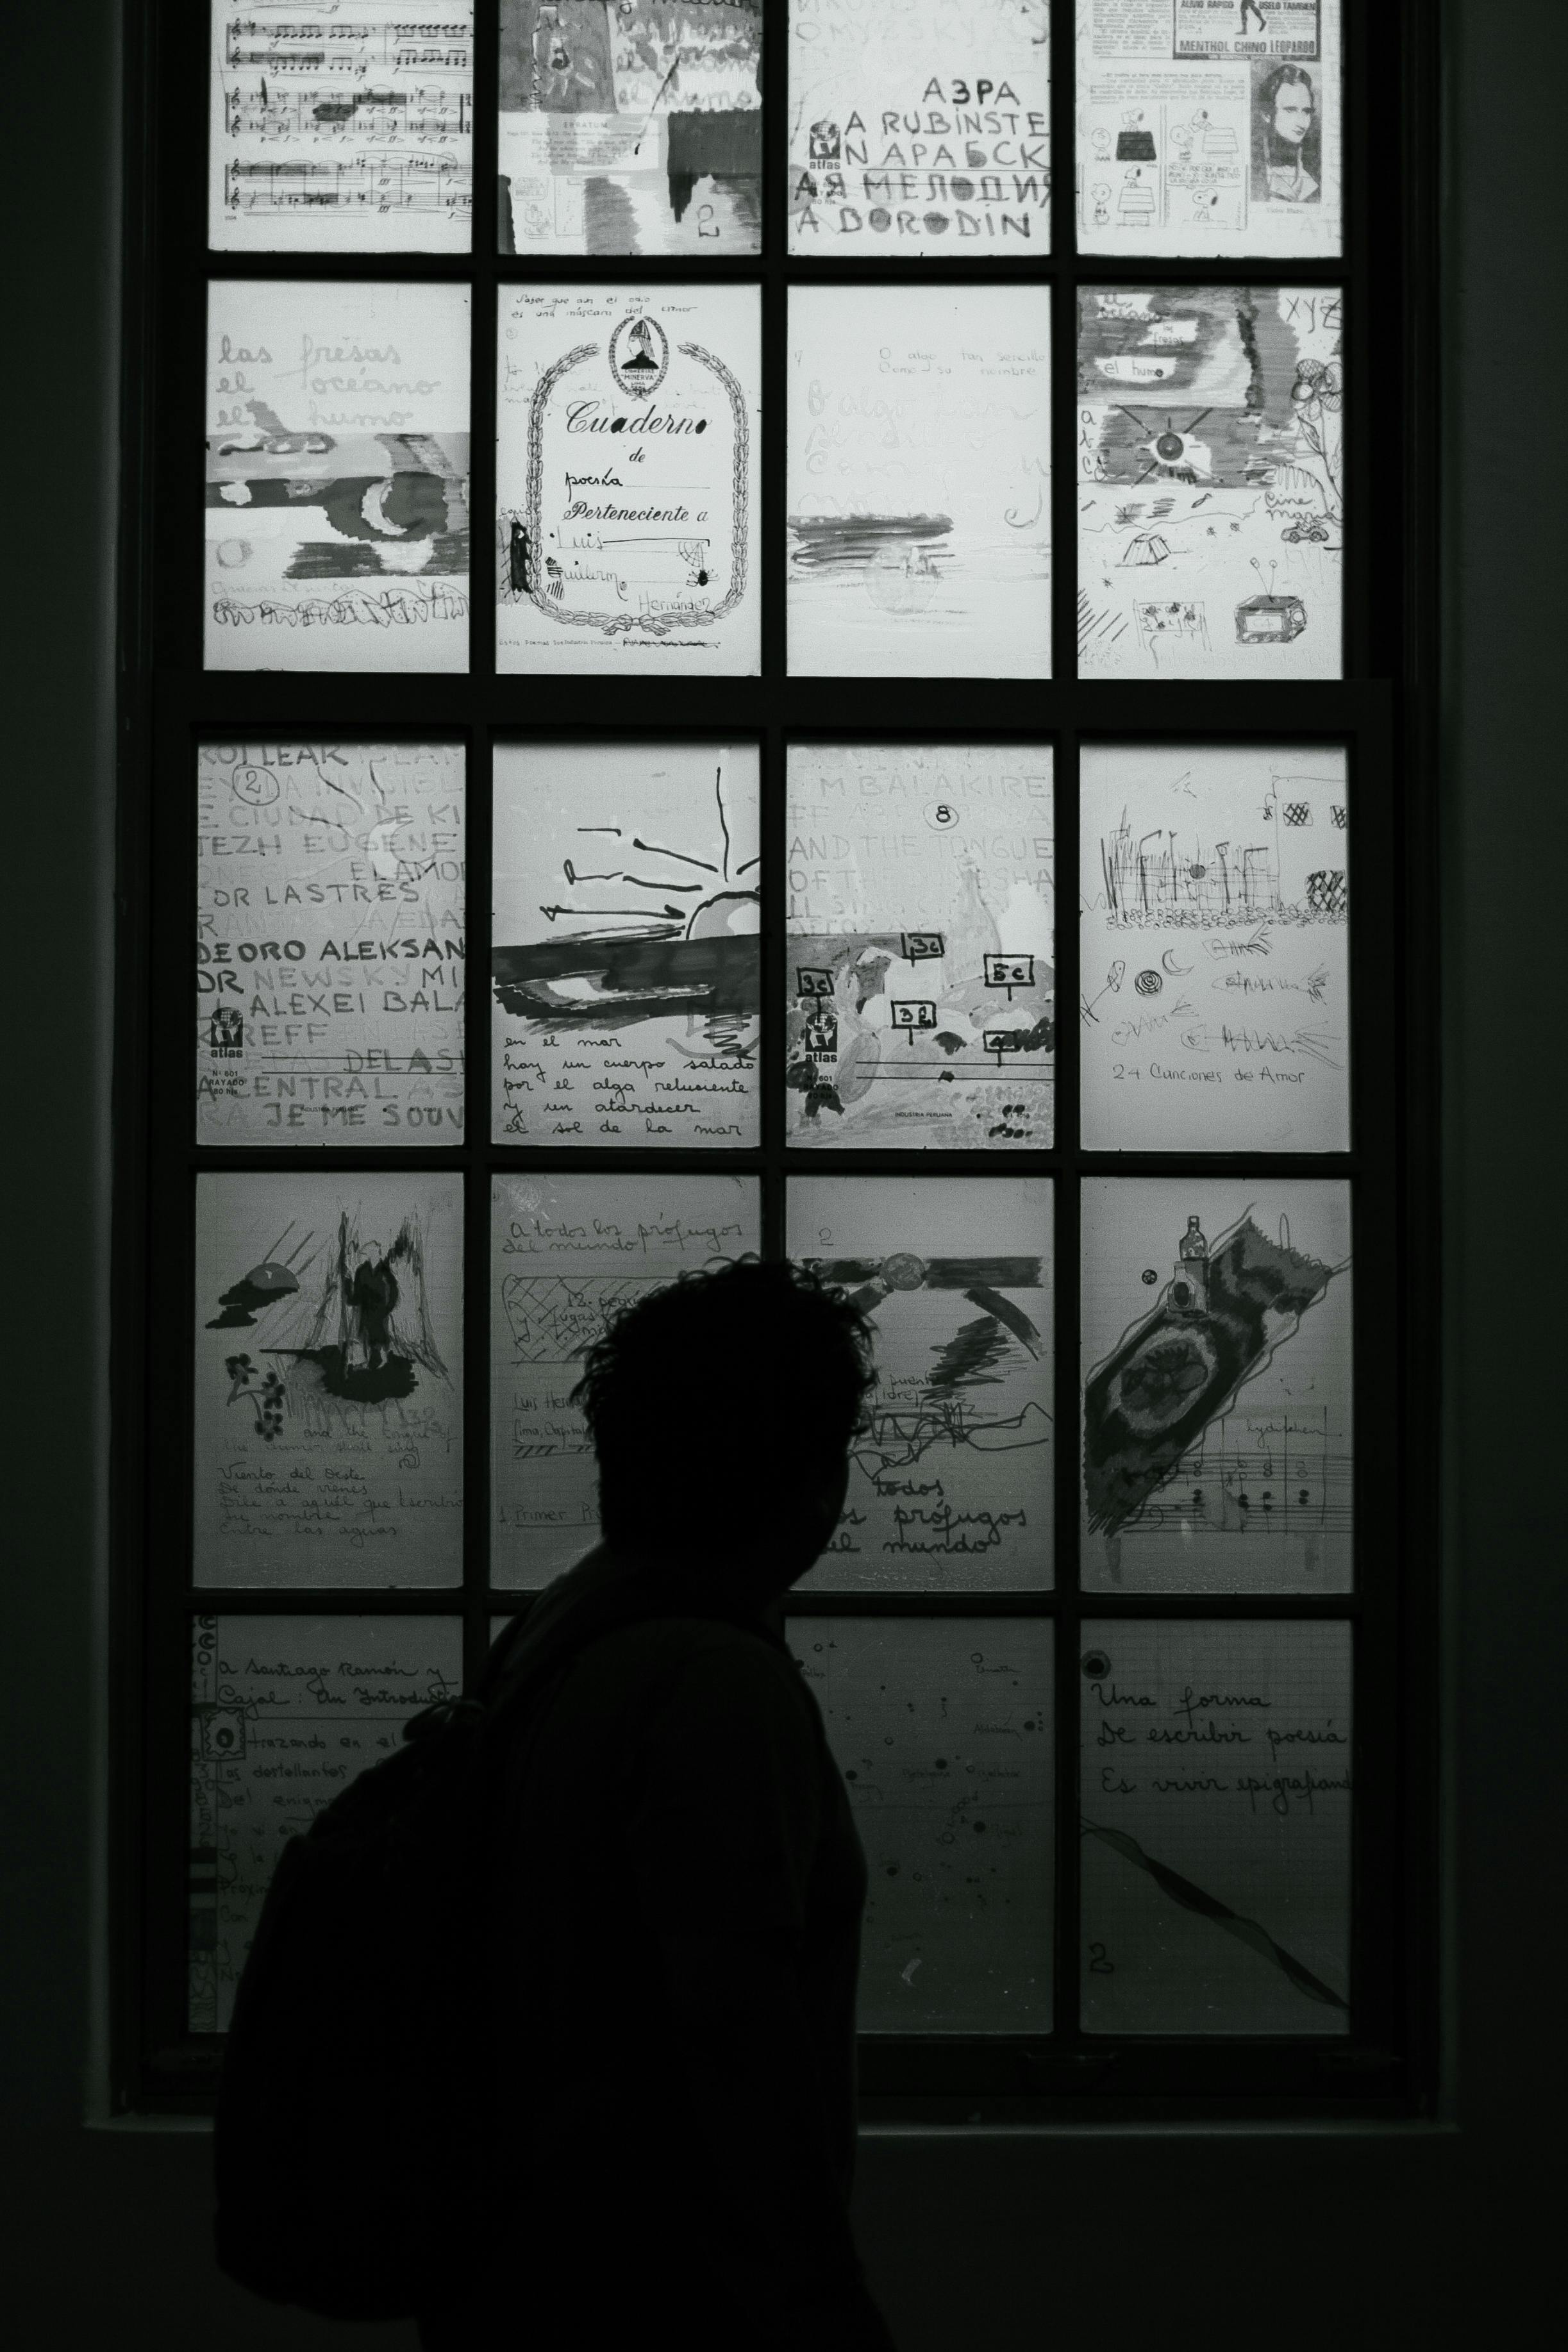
1190	1290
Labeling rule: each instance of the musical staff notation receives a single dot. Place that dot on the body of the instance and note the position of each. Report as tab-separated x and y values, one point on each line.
1281	1482
427	112
366	118
382	184
309	46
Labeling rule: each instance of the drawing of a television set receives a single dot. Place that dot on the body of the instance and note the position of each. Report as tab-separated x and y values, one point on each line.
1269	620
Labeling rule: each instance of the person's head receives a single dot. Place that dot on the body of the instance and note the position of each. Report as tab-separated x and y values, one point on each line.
721	1407
1288	104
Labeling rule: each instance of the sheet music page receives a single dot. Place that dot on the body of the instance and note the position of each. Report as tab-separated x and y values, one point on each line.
1216	1343
1209	127
337	476
627	964
1212	906
1211	474
342	128
942	1728
569	1253
951	1484
327	1379
330	944
634	129
919	460
919	128
922	978
1216	1827
285	1712
626	474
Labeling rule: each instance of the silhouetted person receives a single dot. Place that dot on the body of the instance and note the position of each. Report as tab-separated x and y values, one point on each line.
680	1938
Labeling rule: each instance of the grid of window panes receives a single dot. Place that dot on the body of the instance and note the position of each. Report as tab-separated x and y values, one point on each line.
720	527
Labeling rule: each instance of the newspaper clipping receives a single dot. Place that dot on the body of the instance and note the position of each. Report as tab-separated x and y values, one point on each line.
1209	127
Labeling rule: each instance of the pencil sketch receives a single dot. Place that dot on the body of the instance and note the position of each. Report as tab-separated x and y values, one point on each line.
1218	1422
1216	1827
952	1471
346	128
1211	460
1217	879
631	127
1232	123
916	130
567	1252
919	482
921	984
330	1440
337	454
626	963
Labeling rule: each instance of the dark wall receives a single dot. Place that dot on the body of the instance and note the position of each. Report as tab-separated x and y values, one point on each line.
977	2246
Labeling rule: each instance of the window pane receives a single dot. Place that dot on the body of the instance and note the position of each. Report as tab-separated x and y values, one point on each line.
1211	519
1217	1355
951	1486
330	901
337	476
329	1379
631	129
942	1729
569	1253
342	135
285	1712
627	421
921	973
1215	1828
626	959
1206	129
900	146
1215	1011
920	481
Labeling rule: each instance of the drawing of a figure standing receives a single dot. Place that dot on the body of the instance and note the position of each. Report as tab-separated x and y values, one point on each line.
373	1294
1251	8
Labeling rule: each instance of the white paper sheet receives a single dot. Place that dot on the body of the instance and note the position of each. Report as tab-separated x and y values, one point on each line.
1209	127
1215	968
329	946
569	1251
951	1488
346	127
337	490
919	128
1217	1407
1216	1817
919	482
285	1713
626	961
1211	473
921	980
635	128
942	1728
328	1379
628	420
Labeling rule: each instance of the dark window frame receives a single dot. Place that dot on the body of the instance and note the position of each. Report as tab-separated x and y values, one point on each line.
1384	710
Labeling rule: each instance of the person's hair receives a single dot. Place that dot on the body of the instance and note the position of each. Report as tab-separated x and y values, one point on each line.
712	1400
1269	87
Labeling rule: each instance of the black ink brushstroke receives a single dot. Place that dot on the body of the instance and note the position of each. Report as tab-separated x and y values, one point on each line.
637	979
